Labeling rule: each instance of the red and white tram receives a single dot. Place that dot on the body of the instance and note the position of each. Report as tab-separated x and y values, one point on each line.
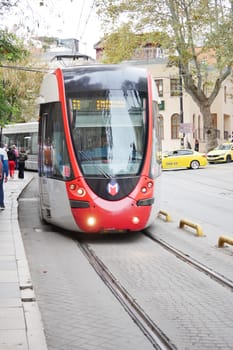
99	149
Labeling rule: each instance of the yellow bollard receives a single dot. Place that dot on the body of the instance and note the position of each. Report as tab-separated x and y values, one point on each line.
168	218
190	224
224	239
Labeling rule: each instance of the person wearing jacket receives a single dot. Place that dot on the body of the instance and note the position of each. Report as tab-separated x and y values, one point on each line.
11	161
3	174
21	163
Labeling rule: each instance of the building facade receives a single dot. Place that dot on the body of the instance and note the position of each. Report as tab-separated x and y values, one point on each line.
173	104
174	101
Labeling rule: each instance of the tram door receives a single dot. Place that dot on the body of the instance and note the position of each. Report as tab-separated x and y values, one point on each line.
44	166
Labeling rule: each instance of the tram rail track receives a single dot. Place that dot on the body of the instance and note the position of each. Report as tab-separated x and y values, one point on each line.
153	333
217	277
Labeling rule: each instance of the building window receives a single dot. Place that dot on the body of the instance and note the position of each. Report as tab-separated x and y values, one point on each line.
159	84
175	87
175	126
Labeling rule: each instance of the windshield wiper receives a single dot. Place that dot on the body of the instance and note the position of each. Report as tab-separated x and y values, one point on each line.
91	160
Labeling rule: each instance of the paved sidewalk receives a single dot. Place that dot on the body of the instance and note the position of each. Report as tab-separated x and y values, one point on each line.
20	320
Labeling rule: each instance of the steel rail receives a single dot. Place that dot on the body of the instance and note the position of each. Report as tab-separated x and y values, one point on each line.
225	282
154	334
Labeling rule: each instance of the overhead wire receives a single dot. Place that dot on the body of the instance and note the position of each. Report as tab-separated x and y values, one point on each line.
26	69
87	20
80	18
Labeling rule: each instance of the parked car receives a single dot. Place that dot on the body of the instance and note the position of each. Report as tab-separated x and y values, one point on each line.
183	158
222	153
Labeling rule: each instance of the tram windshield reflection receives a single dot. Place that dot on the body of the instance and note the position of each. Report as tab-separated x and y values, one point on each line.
109	131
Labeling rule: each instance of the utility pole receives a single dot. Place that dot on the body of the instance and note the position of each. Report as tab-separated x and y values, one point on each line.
181	104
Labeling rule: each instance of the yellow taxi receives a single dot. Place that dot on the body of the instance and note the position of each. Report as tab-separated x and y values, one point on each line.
222	153
183	158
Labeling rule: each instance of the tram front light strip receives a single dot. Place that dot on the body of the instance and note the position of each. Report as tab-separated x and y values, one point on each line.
91	221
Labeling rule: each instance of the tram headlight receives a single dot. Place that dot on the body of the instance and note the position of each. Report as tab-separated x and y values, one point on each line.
81	192
91	221
135	220
150	184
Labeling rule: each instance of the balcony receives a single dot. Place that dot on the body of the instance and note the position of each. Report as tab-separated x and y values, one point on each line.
148	53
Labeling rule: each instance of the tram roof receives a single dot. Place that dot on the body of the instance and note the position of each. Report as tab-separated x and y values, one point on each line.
114	76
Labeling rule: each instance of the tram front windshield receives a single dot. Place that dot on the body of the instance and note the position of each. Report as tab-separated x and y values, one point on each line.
109	131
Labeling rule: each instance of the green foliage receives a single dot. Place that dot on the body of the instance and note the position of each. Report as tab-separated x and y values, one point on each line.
4	106
21	87
11	48
13	83
197	34
6	5
119	45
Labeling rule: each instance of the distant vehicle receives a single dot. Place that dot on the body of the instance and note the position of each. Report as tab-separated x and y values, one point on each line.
183	158
23	135
222	153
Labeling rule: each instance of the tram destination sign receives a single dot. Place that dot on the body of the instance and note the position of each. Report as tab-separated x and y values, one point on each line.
96	104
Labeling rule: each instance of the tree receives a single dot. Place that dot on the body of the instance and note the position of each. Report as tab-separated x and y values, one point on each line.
21	89
6	5
11	50
199	40
121	44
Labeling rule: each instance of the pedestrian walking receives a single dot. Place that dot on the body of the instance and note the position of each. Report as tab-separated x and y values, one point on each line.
3	174
16	156
11	162
196	146
21	163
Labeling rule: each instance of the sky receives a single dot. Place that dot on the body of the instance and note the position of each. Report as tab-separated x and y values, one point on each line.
59	18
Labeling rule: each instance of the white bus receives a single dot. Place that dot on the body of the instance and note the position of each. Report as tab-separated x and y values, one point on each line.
23	135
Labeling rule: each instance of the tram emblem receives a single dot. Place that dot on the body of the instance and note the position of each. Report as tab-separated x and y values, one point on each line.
113	187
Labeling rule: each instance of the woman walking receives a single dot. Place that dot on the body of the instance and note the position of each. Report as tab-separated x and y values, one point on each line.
11	162
3	174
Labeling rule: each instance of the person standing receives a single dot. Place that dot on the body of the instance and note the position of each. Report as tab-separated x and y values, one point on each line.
11	162
21	163
196	146
3	174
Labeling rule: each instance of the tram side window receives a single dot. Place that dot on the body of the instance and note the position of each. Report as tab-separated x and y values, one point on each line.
54	155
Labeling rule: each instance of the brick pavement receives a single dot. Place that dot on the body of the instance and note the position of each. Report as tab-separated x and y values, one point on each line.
79	311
